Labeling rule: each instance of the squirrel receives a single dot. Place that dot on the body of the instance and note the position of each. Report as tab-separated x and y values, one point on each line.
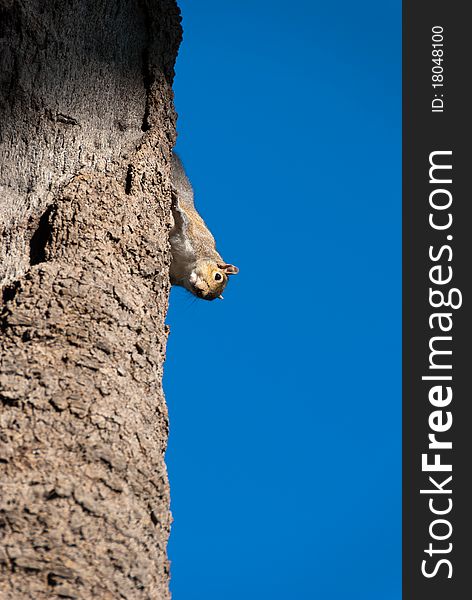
196	264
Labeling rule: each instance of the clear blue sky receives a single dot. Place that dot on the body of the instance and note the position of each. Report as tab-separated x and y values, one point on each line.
285	448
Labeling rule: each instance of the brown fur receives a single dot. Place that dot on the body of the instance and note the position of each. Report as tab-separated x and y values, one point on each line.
196	264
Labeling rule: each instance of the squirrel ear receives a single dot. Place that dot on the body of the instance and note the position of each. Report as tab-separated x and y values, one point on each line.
228	269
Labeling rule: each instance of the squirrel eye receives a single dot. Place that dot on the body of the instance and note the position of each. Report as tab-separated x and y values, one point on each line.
218	276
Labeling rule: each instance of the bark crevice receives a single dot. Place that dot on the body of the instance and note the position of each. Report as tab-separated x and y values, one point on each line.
41	236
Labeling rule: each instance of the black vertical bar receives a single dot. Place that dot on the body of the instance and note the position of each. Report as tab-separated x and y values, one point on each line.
425	132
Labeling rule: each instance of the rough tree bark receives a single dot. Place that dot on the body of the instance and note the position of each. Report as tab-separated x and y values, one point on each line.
86	130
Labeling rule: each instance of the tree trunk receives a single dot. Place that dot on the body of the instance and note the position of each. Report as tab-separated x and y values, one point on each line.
87	127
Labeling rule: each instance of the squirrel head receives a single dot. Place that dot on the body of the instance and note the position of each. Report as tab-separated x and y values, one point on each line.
209	277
